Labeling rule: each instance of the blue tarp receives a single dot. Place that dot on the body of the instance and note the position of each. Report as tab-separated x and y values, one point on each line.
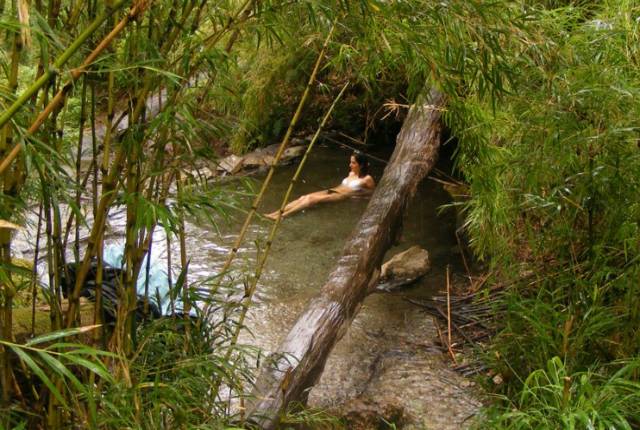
158	279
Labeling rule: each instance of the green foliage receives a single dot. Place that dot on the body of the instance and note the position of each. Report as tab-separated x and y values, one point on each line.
57	366
554	173
171	379
543	102
554	398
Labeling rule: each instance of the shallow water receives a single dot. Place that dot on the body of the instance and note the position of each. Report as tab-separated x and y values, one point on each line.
388	354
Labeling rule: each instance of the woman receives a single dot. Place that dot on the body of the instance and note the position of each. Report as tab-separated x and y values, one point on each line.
358	182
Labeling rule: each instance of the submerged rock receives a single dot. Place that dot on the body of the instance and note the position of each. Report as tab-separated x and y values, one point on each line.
231	164
363	413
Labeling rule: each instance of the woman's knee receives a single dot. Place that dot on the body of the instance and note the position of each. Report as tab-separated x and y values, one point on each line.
312	199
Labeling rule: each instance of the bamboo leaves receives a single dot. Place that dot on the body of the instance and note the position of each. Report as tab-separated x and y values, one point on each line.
55	359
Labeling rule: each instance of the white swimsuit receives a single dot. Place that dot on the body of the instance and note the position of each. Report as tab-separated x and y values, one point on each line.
355	184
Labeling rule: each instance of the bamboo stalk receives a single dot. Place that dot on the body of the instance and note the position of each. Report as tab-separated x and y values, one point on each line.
54	11
274	228
104	170
10	184
183	249
132	181
442	340
449	347
58	63
60	97
172	304
276	159
8	292
34	273
83	117
448	307
109	183
94	152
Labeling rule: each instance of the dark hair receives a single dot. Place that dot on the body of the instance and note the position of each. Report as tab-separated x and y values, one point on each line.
363	162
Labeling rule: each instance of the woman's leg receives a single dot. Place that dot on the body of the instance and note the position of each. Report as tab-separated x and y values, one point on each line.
307	201
312	200
291	205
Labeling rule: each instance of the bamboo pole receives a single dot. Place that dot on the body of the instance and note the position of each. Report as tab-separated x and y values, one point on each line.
102	208
79	187
453	356
10	185
60	97
276	159
109	182
132	182
247	300
34	273
58	63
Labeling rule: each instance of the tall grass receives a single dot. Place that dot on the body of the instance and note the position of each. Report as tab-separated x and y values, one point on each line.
554	398
554	174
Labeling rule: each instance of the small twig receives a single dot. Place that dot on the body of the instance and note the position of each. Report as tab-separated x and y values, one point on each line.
444	343
455	326
464	261
448	306
353	139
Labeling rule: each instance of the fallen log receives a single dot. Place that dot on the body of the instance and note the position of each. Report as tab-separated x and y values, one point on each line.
299	361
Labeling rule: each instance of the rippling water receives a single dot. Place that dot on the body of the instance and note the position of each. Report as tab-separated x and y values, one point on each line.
388	354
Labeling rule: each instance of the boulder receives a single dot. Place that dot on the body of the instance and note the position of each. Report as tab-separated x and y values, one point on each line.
256	159
259	158
231	164
405	267
266	156
293	152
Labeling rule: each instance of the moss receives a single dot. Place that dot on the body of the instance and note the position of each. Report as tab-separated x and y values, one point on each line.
22	319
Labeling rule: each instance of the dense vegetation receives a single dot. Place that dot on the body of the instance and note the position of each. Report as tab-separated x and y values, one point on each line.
543	105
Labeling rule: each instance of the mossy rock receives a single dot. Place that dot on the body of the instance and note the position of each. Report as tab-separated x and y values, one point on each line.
22	319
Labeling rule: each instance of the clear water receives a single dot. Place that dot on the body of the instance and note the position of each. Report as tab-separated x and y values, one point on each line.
388	354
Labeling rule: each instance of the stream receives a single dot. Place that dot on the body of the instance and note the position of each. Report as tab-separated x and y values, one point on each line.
389	356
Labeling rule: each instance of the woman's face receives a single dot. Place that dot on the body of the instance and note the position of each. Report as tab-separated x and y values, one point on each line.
354	166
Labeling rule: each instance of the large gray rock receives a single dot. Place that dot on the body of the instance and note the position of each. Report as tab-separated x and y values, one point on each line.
404	268
264	157
256	159
294	152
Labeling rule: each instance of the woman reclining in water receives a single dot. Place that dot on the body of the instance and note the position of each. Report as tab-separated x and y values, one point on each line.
358	183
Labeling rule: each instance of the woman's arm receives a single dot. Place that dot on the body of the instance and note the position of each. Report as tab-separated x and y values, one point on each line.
368	182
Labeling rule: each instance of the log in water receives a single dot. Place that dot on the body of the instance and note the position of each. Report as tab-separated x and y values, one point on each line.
299	361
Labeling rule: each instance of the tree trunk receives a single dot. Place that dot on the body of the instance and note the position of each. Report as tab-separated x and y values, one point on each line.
299	361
